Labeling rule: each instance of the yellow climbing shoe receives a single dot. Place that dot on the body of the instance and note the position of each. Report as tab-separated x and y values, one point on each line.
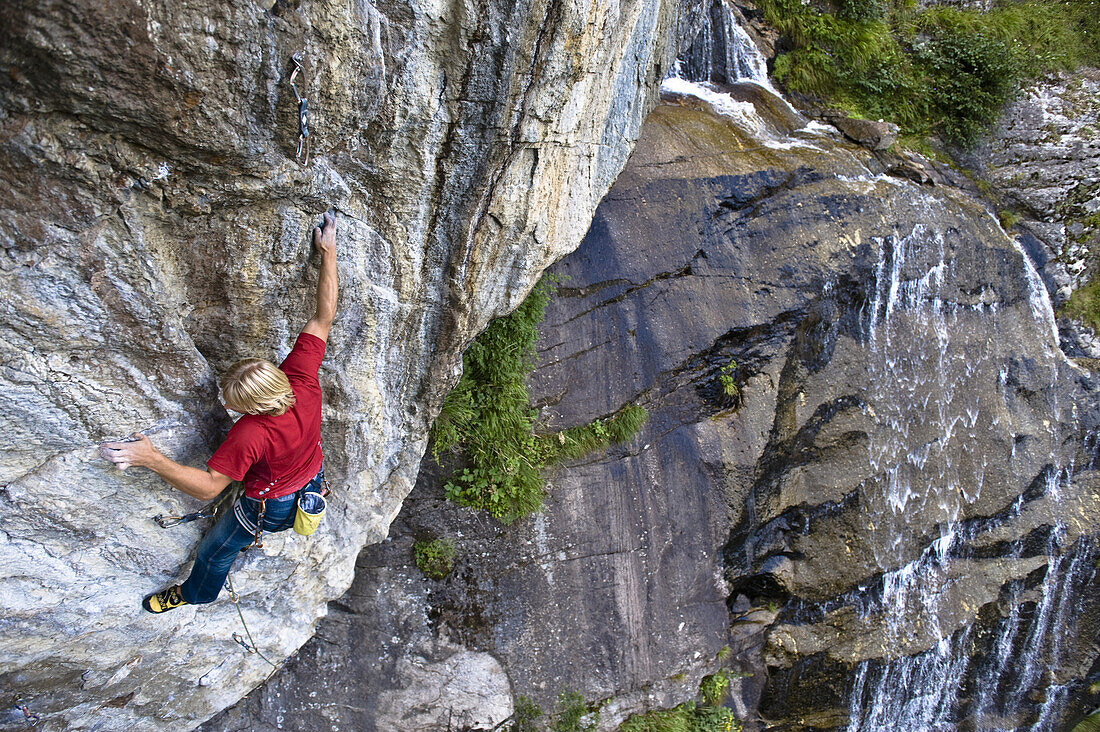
163	601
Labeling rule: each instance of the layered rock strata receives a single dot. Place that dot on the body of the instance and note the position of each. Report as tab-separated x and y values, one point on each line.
875	334
1043	159
155	228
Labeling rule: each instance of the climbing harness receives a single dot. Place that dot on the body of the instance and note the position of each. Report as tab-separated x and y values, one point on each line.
166	522
250	644
303	111
28	716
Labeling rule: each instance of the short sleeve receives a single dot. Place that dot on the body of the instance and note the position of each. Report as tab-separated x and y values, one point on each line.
243	446
305	358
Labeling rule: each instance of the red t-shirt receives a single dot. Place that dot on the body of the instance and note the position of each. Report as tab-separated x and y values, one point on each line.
275	456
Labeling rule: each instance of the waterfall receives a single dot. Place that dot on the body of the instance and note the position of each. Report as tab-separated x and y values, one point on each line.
723	52
934	364
927	368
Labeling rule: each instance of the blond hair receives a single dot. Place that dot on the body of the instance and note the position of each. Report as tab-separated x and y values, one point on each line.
256	386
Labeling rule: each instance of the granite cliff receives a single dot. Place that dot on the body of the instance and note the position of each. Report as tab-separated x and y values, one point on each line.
154	223
899	488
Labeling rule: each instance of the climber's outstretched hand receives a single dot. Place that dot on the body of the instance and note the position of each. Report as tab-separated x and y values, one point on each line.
324	238
139	451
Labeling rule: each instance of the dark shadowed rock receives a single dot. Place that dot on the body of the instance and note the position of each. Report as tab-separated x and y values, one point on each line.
877	331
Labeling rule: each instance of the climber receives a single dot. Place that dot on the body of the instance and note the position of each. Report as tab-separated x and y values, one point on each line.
275	448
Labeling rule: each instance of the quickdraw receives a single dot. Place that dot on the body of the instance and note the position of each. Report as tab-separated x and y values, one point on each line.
303	111
167	522
249	645
258	542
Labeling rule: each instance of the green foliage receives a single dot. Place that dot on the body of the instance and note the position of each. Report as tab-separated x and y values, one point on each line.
434	557
863	11
938	69
710	716
727	381
713	689
687	717
489	417
1008	218
972	74
525	715
1084	304
571	714
1090	723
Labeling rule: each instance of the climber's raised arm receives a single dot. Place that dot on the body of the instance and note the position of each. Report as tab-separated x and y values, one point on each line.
325	241
201	484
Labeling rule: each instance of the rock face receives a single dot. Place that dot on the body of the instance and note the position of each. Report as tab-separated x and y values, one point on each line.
1044	159
155	228
894	484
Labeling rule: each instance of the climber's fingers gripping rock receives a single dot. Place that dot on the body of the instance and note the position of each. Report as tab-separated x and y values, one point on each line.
325	238
138	451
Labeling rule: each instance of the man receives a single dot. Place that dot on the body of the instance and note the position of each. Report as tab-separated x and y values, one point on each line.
275	448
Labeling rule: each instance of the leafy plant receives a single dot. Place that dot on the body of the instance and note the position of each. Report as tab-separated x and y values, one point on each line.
488	417
1008	218
727	381
714	688
571	714
524	716
434	557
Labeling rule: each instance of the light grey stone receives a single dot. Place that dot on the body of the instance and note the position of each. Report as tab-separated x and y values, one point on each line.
155	228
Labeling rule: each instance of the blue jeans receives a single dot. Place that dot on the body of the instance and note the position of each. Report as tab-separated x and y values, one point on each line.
221	545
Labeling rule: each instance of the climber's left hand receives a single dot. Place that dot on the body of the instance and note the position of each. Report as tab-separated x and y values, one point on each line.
139	452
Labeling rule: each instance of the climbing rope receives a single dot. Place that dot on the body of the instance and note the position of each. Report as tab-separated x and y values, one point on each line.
250	644
303	111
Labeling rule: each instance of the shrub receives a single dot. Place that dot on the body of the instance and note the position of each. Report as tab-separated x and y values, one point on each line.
713	689
489	417
434	557
862	11
571	714
971	75
1008	218
525	715
928	69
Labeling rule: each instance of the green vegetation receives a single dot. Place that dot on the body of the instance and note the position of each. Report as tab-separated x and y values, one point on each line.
488	416
727	381
713	689
525	715
1008	218
571	714
687	717
1084	304
434	557
1090	723
939	70
710	716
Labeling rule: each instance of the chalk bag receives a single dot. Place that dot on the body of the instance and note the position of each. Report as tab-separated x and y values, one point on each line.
311	509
